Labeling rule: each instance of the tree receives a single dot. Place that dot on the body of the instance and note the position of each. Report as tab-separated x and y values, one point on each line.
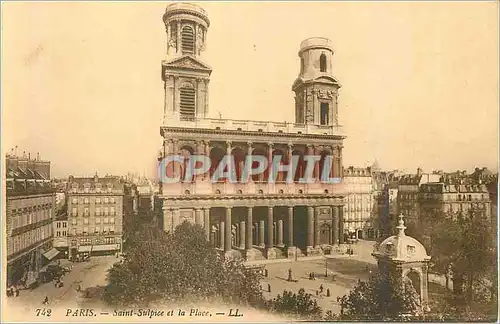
381	298
467	247
177	267
300	304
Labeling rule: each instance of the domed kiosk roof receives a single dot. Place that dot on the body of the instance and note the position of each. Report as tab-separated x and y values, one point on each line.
401	247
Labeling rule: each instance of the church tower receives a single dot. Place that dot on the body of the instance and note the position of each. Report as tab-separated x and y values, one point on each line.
185	76
316	90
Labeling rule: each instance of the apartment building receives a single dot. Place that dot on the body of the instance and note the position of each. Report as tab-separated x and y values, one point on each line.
95	215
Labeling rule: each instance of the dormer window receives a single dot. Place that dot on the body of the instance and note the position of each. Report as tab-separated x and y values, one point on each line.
322	63
86	187
410	249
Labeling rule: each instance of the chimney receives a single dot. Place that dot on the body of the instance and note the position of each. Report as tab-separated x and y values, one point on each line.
38	156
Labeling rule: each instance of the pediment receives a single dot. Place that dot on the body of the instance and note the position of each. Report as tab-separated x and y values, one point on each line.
327	79
187	62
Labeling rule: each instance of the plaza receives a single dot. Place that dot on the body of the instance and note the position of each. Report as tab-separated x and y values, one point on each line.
344	271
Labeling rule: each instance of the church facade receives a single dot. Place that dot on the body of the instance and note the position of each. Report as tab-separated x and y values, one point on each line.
256	219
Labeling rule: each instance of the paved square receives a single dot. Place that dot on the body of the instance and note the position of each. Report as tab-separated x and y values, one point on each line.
343	274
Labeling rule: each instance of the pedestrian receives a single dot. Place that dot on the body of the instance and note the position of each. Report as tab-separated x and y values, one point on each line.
46	300
17	292
269	287
328	292
290	275
320	289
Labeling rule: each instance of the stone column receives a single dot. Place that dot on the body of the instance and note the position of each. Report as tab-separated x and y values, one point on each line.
242	234
289	157
207	223
176	219
341	225
177	95
261	233
269	161
249	243
270	232
309	151
335	225
229	165
207	81
424	284
316	227
227	246
167	220
339	157
280	232
179	40
310	226
222	236
199	151
198	219
206	148
316	164
290	226
249	152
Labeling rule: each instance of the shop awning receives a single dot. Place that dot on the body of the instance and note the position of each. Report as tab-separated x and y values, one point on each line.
84	248
51	253
106	247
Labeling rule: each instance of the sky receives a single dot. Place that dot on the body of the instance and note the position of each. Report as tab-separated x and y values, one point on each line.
81	82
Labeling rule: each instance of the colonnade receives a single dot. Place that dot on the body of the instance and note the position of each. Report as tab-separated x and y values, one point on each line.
239	150
245	231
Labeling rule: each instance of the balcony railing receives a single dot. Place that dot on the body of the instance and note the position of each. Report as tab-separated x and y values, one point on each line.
252	125
251	188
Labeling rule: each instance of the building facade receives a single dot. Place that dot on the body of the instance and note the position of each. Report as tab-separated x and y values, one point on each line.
255	219
95	215
409	194
30	201
359	219
451	200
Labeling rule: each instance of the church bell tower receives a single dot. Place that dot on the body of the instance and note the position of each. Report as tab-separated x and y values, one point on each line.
316	90
185	76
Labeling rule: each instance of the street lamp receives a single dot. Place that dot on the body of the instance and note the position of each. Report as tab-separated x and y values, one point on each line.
326	266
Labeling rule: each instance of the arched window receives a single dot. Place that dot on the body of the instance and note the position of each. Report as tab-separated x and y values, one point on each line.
324	107
187	104
187	36
322	63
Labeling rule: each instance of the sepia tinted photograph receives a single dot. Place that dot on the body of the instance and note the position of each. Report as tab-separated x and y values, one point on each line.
227	161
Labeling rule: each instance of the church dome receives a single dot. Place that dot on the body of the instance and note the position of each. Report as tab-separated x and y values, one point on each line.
401	247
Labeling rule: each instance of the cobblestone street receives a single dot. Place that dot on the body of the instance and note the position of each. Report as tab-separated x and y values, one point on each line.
85	274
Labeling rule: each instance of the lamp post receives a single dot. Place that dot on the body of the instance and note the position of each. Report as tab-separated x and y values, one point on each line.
326	266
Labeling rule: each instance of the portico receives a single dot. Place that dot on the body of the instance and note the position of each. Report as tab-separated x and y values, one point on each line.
262	227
